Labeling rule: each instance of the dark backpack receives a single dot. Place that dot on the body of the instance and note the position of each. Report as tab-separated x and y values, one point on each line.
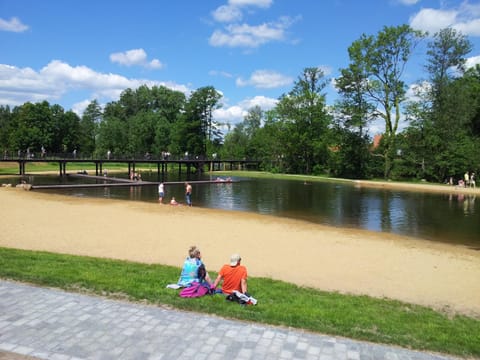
201	273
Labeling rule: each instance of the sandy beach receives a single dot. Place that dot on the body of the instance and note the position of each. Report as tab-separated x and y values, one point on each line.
440	276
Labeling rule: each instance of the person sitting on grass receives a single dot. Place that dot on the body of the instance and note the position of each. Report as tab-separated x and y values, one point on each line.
234	276
190	270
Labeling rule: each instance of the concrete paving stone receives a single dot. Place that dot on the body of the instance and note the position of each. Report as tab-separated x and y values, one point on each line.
53	324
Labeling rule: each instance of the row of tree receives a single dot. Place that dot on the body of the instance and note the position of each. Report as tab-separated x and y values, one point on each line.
301	134
442	136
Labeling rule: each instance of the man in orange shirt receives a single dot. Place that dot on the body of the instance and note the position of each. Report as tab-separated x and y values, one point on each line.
234	276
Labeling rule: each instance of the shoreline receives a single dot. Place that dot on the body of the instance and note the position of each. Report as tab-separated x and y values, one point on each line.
440	276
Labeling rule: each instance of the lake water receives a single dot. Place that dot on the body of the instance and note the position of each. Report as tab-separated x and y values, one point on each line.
432	216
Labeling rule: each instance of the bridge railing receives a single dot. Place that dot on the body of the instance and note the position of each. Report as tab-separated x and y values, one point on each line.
120	157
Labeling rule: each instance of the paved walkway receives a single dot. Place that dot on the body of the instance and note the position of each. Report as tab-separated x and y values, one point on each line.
57	325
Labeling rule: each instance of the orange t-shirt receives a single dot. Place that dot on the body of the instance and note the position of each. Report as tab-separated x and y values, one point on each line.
232	277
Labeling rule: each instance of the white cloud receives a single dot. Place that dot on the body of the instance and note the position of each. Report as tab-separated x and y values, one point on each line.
265	79
244	35
57	79
327	70
155	64
227	13
432	20
235	114
79	108
13	25
232	12
135	57
470	27
408	2
258	3
465	18
224	74
232	114
472	61
264	102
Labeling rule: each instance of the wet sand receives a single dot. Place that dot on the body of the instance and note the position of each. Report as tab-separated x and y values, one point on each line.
441	276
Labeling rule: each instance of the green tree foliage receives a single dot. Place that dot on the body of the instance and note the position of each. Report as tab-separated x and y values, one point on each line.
243	141
303	114
377	64
6	120
197	130
91	118
33	126
438	143
350	158
300	134
142	121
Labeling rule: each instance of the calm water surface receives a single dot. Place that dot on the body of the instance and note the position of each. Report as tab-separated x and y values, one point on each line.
439	217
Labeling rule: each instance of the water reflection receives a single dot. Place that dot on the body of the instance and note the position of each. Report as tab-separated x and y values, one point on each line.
440	217
464	201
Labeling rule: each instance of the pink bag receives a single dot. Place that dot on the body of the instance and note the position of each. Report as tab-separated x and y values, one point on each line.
195	290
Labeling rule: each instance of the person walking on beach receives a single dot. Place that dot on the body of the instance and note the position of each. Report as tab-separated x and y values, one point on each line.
466	178
161	192
188	194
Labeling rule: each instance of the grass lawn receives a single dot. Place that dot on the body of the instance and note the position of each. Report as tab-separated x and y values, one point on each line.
279	303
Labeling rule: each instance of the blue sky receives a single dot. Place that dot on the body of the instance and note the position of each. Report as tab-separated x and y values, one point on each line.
71	52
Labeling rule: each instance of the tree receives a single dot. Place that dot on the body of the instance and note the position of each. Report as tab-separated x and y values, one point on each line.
440	120
242	142
379	62
91	118
303	113
199	130
6	119
352	114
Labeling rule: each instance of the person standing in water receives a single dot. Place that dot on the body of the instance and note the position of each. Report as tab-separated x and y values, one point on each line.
161	192
188	194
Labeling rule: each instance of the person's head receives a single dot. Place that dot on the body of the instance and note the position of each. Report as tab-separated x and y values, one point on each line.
235	259
194	252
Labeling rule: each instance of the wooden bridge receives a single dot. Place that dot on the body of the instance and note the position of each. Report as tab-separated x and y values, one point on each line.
161	164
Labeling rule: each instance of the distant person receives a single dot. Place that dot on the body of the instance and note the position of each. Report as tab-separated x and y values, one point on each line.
190	268
466	179
109	154
473	180
75	153
188	194
173	201
161	192
233	275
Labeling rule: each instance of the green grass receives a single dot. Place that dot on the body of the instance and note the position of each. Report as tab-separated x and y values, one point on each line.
279	303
